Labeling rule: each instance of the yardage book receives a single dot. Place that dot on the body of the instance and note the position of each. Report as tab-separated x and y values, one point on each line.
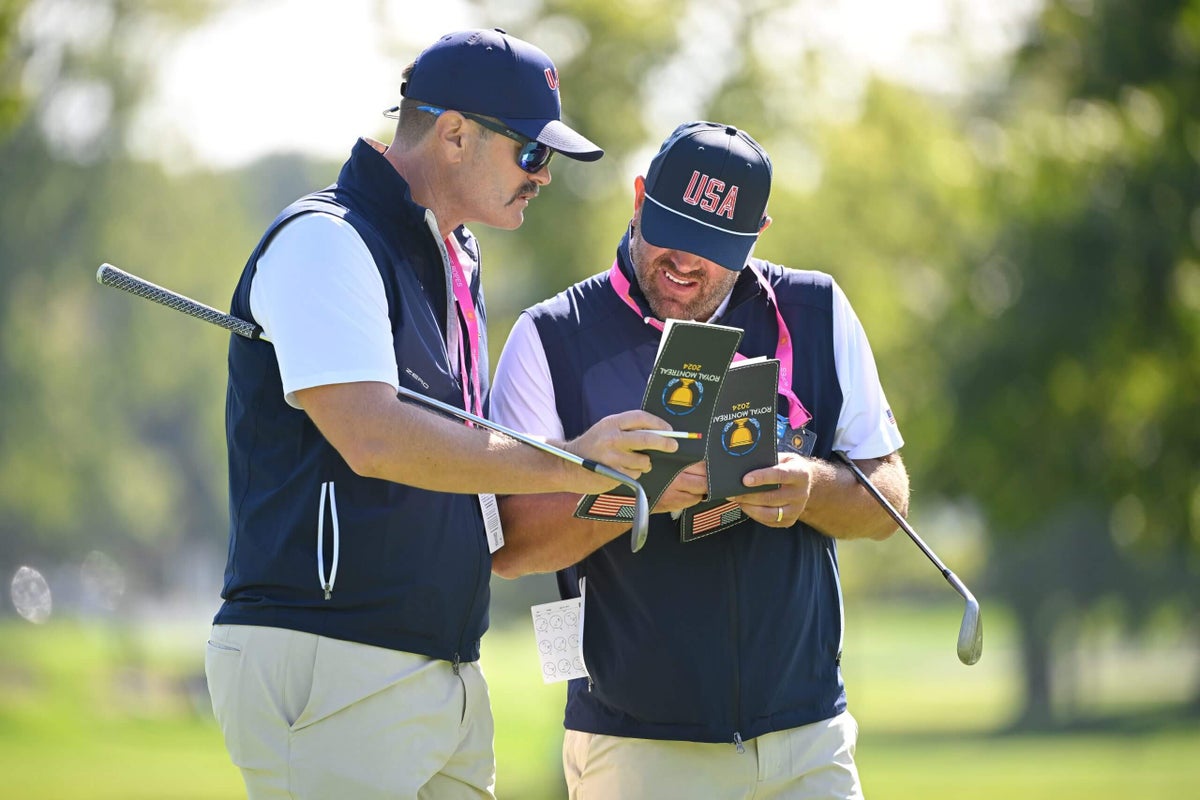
683	387
741	438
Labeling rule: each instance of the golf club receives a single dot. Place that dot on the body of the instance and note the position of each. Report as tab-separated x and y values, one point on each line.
970	632
108	275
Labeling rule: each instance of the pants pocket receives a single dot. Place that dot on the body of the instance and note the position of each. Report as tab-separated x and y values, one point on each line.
222	663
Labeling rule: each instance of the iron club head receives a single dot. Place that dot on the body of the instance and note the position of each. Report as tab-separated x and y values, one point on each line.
970	631
641	505
970	634
641	518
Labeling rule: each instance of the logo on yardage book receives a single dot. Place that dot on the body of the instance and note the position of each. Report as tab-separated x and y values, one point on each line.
682	395
740	436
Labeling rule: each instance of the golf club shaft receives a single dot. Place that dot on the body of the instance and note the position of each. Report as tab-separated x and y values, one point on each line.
970	632
108	275
566	455
895	515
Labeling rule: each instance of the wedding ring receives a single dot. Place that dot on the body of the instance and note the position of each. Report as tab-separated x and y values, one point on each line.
779	514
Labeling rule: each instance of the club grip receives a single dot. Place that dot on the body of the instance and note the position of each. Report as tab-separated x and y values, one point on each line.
108	275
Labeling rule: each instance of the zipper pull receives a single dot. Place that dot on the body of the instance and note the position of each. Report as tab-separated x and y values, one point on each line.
328	590
454	664
737	740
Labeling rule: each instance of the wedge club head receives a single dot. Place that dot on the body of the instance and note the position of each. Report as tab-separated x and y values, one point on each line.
970	631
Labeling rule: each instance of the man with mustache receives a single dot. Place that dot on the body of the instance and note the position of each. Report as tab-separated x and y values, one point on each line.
343	662
714	663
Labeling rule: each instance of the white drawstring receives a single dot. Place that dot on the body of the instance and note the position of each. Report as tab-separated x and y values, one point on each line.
337	540
327	585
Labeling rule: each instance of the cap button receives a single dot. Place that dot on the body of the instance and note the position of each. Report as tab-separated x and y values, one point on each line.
732	131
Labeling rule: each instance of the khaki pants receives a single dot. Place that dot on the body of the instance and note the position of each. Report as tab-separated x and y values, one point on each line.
809	762
307	717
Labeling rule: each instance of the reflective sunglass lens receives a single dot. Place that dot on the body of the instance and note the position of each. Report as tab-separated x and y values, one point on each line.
534	156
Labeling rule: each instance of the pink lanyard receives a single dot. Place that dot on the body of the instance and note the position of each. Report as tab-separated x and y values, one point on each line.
798	415
472	400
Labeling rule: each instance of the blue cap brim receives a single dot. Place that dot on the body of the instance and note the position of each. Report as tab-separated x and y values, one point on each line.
558	135
664	228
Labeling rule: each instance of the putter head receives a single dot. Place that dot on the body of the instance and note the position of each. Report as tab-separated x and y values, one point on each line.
970	633
641	518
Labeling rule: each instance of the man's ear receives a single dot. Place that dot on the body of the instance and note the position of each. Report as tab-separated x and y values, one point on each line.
639	194
639	197
766	223
449	132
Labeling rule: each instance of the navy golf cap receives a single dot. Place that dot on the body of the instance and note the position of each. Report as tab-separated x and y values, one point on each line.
706	193
490	73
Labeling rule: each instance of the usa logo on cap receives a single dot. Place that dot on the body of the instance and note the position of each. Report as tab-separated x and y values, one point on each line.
706	193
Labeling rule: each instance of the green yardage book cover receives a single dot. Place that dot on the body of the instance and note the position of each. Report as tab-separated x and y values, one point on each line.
682	389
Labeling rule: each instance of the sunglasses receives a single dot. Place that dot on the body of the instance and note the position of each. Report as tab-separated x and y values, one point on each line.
533	155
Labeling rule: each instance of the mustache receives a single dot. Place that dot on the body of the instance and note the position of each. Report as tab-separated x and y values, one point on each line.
529	187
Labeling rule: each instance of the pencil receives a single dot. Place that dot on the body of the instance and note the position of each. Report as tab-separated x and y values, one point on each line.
679	434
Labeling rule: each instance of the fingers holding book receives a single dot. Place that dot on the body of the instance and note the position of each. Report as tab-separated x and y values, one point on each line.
782	506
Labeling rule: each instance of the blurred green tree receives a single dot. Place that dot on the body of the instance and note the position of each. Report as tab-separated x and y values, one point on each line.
105	444
11	104
1075	363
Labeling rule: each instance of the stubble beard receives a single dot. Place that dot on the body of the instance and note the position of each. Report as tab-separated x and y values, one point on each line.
701	308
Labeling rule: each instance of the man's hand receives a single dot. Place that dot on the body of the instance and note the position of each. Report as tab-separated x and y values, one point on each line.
616	441
686	490
782	507
826	496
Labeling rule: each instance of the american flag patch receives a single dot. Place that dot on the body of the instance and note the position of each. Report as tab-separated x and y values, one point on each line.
891	419
612	506
724	514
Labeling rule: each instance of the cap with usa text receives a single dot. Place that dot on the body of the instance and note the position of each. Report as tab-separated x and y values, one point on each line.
706	193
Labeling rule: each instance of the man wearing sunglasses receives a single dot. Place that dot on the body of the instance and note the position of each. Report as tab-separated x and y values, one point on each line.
343	662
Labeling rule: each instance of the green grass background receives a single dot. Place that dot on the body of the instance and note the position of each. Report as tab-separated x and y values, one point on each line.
105	712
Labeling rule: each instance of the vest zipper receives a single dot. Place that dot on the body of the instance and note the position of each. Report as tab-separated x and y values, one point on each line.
327	584
452	336
837	584
735	637
481	543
